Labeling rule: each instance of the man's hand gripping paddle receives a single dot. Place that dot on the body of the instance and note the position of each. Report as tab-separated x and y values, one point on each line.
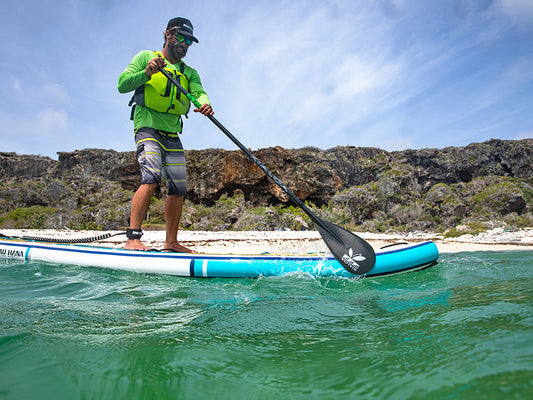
353	252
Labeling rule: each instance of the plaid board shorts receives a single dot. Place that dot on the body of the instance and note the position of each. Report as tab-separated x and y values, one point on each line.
161	154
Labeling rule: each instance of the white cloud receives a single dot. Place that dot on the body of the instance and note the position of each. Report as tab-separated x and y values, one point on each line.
15	83
50	121
54	92
356	75
25	93
519	71
524	135
398	143
41	133
519	10
304	67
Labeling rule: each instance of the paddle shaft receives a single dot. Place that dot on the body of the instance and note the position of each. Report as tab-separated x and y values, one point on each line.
352	252
274	178
226	132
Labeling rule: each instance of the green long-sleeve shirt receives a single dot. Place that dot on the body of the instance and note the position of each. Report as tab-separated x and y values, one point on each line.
134	76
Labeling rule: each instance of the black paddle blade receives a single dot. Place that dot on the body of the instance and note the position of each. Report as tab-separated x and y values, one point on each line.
353	252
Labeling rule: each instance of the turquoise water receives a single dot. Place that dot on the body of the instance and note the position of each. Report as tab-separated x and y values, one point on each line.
460	330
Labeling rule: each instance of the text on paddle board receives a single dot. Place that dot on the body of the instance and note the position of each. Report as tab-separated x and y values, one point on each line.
11	253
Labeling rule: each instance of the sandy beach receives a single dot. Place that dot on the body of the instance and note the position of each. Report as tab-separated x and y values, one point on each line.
296	242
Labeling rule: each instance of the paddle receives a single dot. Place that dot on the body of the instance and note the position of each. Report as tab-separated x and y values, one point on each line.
353	252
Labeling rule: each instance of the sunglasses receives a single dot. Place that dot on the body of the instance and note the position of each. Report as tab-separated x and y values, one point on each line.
180	38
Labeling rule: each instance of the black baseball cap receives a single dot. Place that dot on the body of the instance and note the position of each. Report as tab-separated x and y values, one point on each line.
184	27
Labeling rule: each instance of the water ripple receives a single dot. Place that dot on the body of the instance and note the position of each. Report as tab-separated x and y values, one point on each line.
459	330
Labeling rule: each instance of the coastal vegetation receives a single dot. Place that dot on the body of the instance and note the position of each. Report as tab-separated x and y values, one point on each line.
452	191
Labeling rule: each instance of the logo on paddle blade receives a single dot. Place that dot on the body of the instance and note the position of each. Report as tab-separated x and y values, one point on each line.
351	259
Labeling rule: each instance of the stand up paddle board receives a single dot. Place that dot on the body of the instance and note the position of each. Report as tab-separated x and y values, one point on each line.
390	260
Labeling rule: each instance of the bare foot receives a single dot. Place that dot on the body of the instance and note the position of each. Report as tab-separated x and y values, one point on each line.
135	244
178	248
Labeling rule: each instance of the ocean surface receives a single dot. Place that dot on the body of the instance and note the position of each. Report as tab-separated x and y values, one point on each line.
460	330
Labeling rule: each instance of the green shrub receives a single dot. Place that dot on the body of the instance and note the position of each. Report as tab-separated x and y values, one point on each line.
33	217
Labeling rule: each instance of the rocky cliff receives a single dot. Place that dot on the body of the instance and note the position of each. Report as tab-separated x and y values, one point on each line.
361	188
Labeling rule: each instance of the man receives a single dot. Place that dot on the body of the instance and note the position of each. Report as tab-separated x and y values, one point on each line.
157	124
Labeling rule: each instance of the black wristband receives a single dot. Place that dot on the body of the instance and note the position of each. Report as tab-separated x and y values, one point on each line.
134	233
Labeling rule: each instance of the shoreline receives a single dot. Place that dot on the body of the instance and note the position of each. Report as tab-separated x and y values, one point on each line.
296	242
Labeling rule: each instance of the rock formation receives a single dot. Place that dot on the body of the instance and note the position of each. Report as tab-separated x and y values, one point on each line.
411	189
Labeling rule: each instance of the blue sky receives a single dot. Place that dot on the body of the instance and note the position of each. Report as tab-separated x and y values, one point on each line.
393	74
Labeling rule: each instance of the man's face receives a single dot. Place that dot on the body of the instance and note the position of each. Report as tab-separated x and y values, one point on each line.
177	49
